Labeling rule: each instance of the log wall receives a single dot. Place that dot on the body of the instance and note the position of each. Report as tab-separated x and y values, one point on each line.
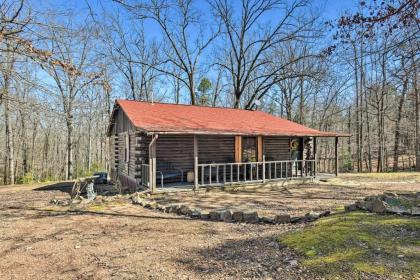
176	151
276	148
216	149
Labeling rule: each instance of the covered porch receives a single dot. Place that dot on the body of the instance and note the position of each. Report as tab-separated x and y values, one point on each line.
185	161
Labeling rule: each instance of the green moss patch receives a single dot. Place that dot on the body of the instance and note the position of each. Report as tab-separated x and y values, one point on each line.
359	244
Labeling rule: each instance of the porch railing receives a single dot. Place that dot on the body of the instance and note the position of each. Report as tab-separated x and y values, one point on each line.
249	172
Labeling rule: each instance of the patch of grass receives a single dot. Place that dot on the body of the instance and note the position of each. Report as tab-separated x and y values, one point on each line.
353	244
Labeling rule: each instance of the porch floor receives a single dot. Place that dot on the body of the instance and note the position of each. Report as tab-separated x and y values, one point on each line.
293	198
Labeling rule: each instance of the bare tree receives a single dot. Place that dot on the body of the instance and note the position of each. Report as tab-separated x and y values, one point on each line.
186	36
247	58
73	47
134	57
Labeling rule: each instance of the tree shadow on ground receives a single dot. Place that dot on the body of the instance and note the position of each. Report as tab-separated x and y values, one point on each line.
251	258
41	213
65	187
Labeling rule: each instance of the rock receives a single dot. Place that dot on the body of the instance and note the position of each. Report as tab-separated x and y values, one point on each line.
364	205
415	211
99	198
311	216
238	216
151	205
195	214
396	209
184	210
205	216
282	219
324	213
351	207
136	199
173	208
251	217
267	220
391	194
214	216
379	206
392	201
371	198
226	216
296	219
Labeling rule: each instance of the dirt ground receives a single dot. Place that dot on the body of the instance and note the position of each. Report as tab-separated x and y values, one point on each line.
118	240
124	241
297	199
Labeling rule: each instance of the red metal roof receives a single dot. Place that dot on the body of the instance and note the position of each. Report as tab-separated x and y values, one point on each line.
176	118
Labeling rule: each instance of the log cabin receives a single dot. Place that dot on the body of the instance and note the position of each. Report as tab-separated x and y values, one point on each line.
158	145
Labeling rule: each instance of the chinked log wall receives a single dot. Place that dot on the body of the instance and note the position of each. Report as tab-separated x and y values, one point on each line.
276	148
138	154
177	151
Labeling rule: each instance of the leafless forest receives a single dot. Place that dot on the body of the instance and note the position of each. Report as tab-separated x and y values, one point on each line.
61	69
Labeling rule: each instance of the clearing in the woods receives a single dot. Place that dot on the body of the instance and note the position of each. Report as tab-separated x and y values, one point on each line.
118	240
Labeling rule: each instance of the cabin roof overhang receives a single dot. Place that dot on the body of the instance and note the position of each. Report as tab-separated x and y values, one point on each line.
162	118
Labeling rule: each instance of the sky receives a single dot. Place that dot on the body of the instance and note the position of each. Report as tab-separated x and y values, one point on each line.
328	9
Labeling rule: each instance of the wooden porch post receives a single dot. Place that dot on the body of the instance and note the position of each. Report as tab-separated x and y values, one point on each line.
315	156
195	163
263	168
336	156
238	149
152	164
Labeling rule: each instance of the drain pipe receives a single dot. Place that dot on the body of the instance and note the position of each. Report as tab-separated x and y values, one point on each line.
152	163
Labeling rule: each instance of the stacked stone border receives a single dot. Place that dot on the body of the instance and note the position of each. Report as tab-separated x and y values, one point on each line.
225	215
407	203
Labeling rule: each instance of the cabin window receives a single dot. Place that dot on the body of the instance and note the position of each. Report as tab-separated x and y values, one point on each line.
249	149
127	148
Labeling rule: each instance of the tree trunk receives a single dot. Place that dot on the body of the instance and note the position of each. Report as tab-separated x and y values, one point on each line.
69	149
301	104
358	136
398	124
417	124
192	88
10	161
